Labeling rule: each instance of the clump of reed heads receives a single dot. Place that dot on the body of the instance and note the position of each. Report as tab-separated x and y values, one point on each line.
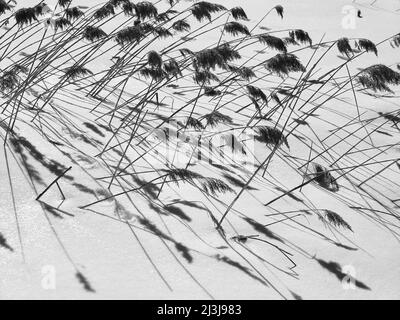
209	86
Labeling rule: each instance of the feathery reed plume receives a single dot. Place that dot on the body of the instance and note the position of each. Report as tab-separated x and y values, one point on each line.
64	3
145	9
204	77
208	185
271	136
208	59
162	32
202	10
186	52
275	97
146	27
162	17
367	45
235	28
279	10
273	42
254	101
181	26
211	58
227	53
165	16
93	33
344	47
129	35
182	174
290	41
4	6
324	178
154	59
211	92
395	42
25	16
256	93
41	8
171	67
243	72
214	118
118	3
128	7
283	63
8	81
156	74
300	36
104	12
17	68
378	77
194	123
61	23
73	13
76	72
336	219
238	14
214	186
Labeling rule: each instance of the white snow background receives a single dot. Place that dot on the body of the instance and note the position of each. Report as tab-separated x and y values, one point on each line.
171	249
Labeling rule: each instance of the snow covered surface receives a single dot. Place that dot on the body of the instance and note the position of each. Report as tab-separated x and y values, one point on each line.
135	249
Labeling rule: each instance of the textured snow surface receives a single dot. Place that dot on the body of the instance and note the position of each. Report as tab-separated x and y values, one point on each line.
141	248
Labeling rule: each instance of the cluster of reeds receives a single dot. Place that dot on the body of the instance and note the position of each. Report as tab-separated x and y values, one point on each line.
152	58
